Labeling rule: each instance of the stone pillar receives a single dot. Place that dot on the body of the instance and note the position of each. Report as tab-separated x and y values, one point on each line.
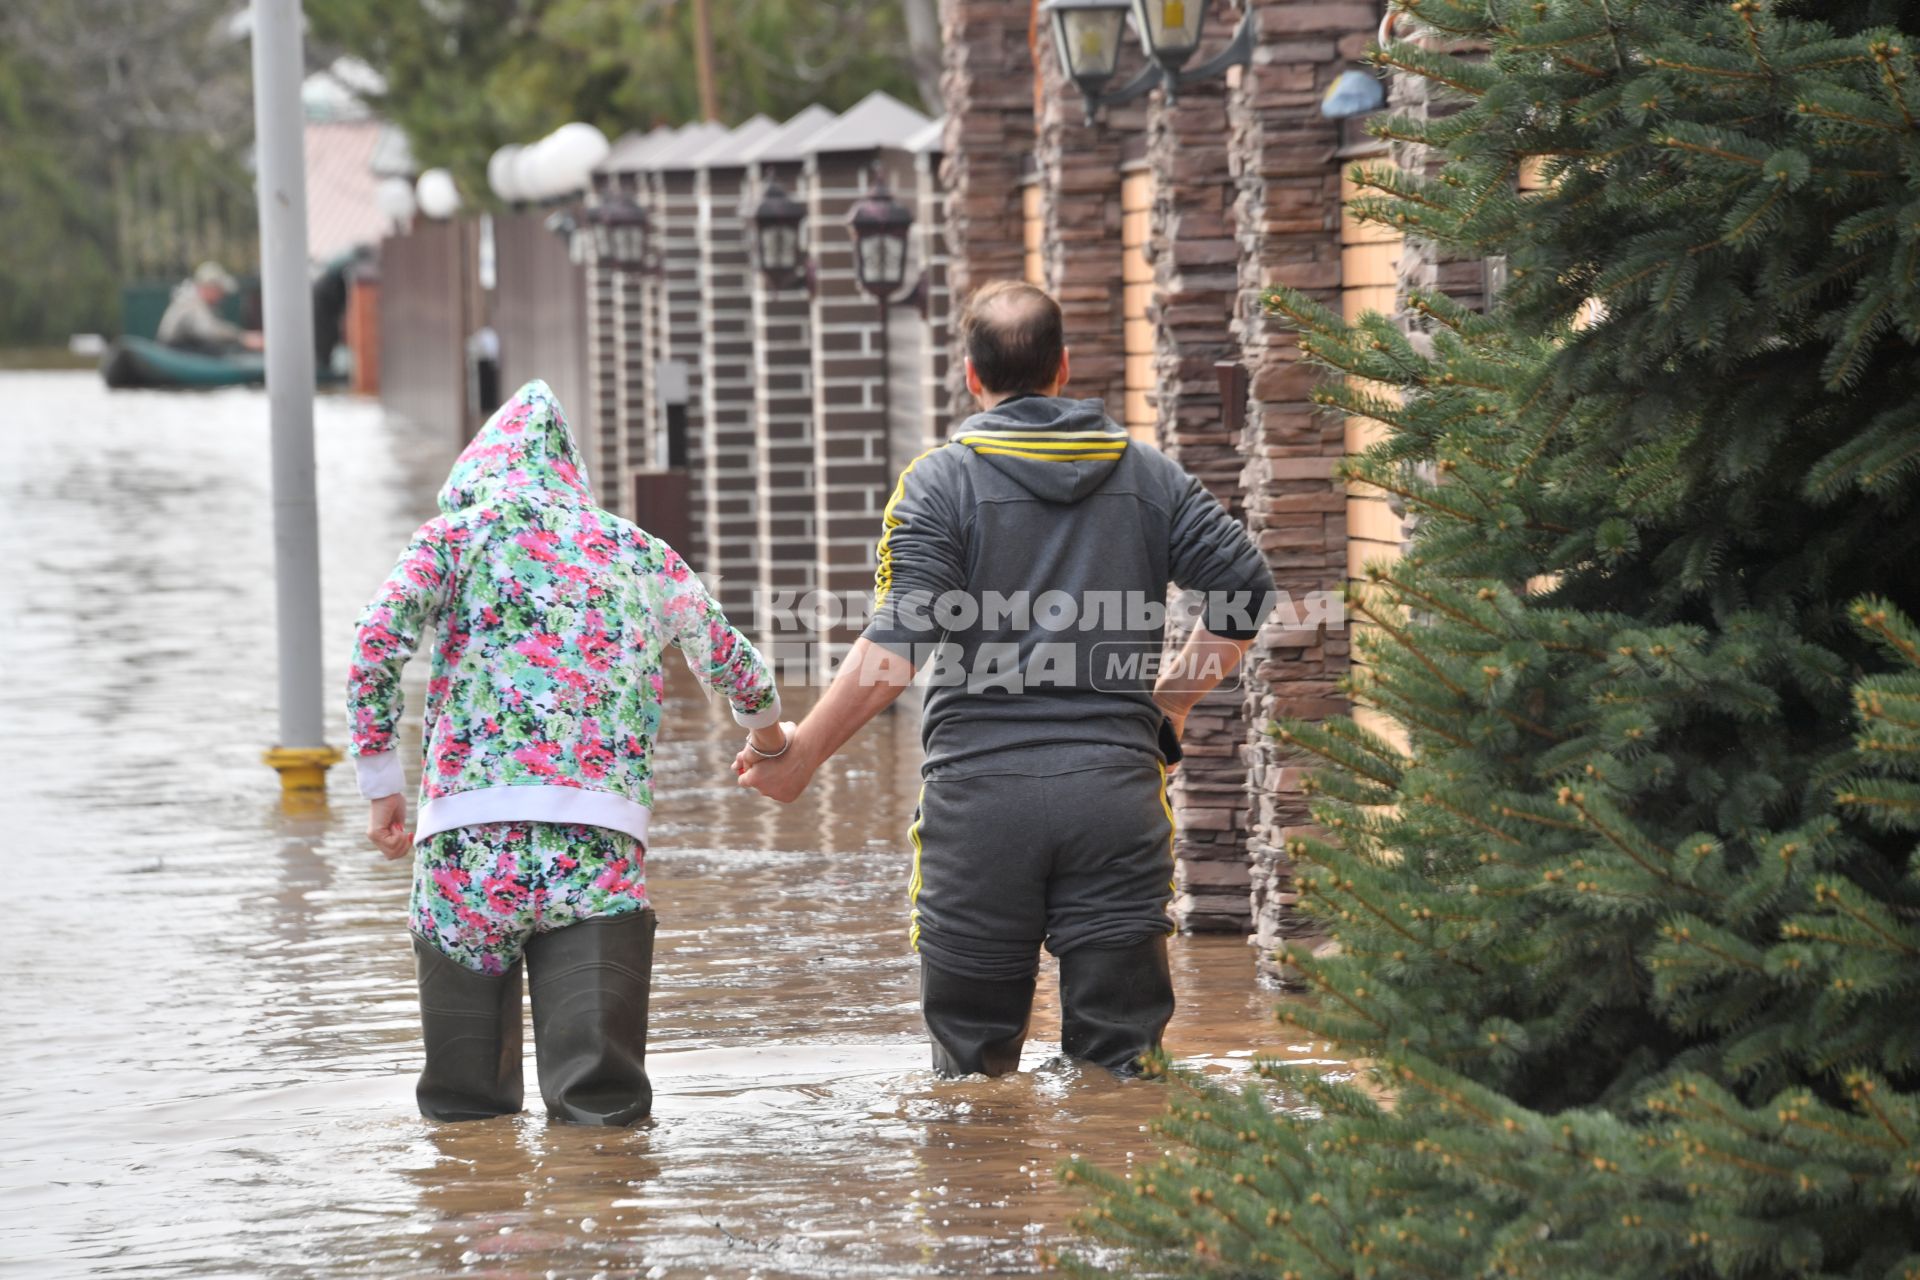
728	518
987	82
1196	288
1287	159
1079	181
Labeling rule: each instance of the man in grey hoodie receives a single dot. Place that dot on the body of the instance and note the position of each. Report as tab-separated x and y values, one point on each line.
1023	567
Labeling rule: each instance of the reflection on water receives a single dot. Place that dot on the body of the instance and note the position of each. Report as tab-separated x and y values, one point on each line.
208	1016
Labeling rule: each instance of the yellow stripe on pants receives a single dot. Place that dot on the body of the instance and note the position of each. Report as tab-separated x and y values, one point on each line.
1173	860
914	882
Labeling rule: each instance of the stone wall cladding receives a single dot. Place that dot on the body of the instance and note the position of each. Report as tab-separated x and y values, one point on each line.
1078	170
987	83
784	534
1196	295
1288	210
728	515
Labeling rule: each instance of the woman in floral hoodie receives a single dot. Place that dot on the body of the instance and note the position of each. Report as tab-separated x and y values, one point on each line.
553	617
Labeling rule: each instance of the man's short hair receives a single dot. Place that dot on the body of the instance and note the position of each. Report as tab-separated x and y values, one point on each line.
1014	335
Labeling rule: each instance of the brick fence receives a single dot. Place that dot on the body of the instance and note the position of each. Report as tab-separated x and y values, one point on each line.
787	408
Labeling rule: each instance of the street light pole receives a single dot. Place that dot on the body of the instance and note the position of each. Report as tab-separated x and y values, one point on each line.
302	756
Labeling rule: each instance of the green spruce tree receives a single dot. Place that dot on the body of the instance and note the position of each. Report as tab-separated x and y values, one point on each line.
1630	923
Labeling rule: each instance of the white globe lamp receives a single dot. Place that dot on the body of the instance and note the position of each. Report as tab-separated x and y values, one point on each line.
438	196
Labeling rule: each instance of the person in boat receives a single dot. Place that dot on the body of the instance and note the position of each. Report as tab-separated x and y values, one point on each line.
553	618
1024	565
191	322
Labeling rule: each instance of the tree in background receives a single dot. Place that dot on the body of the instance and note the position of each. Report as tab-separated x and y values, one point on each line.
467	76
1629	919
121	126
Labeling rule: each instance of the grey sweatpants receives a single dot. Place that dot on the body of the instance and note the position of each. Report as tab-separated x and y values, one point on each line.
1008	857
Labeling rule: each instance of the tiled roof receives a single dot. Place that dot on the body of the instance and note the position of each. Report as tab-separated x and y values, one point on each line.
342	212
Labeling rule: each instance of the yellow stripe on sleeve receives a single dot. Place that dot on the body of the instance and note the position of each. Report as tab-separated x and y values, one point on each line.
882	552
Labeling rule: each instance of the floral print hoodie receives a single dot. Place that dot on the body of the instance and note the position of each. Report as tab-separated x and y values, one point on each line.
552	618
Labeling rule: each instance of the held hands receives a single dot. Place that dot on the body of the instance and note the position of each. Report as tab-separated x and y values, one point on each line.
780	769
387	827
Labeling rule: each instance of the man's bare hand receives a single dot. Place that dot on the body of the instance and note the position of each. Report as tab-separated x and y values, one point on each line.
781	778
387	827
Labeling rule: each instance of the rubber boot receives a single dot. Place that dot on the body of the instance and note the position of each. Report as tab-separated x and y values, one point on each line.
978	1025
590	982
471	1024
1115	1003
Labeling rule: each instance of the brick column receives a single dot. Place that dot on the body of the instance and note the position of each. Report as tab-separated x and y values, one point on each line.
727	517
783	424
1079	169
621	420
853	466
987	82
603	377
784	536
634	374
1196	286
675	302
1286	155
930	204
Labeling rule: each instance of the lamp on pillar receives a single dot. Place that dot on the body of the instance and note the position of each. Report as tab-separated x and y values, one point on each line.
620	236
880	225
777	248
1087	33
1169	30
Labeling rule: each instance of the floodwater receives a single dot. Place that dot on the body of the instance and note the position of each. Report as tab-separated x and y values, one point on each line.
207	1035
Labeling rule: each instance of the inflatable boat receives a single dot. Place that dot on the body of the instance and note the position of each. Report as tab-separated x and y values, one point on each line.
142	362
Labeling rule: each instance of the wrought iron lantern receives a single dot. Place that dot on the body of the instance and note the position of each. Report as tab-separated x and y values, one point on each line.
777	248
620	235
1087	34
1169	30
880	225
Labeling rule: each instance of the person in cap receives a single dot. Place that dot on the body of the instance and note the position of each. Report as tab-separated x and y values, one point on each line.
192	323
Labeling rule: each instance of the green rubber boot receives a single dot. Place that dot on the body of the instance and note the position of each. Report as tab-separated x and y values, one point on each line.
471	1024
977	1025
590	983
1115	1003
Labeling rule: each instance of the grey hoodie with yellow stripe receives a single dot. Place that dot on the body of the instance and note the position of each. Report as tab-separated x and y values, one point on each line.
1024	565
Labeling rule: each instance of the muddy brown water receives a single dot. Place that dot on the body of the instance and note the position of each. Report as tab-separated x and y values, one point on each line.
207	1017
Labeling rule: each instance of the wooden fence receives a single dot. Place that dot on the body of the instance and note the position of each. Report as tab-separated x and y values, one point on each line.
430	301
540	312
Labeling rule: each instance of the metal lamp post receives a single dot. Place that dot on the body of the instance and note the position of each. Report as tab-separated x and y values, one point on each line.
777	248
302	756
